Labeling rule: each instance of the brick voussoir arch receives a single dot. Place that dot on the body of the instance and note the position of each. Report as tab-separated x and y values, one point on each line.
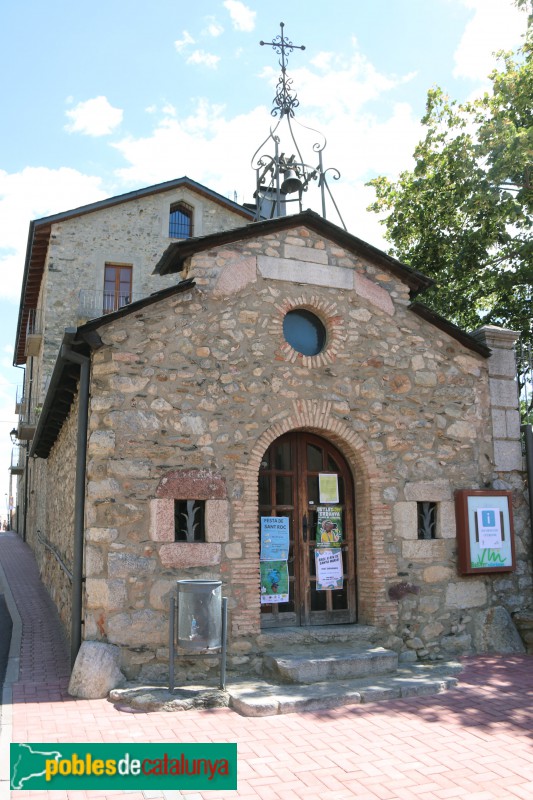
374	517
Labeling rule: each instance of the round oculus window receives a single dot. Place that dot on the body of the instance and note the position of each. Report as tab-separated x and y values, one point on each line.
304	332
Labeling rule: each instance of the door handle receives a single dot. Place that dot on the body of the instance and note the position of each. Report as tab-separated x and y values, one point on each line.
304	527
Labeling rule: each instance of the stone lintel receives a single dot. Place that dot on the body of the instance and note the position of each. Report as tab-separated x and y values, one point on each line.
307	272
428	491
190	554
192	484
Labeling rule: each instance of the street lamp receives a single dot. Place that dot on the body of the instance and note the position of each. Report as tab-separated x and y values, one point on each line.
13	435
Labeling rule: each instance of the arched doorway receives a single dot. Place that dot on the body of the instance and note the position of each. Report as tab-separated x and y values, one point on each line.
289	486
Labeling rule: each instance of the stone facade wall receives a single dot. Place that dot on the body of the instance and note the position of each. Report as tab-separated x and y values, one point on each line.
205	381
57	506
133	233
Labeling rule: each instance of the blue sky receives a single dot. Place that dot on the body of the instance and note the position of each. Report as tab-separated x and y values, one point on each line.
101	100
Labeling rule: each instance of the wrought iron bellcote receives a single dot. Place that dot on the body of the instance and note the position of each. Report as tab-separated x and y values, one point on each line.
285	101
279	175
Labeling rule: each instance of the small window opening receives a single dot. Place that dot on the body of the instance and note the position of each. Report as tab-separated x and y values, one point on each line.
180	221
304	332
427	520
117	286
189	520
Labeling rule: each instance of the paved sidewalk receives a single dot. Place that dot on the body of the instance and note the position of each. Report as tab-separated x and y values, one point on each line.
475	742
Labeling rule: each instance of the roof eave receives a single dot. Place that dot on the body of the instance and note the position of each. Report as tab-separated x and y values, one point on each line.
176	254
466	339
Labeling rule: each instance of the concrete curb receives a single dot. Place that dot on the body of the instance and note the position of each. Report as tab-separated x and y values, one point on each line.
12	676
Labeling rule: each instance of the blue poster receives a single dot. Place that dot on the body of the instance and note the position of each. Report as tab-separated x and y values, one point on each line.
274	538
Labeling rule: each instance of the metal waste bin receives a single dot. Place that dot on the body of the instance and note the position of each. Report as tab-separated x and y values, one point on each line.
199	615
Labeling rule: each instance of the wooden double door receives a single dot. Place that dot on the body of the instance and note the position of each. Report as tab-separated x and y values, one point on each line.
290	486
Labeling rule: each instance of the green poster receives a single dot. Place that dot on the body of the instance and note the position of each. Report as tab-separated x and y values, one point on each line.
274	582
329	526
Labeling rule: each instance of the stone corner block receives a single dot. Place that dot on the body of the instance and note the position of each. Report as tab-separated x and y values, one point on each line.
101	443
216	520
496	632
446	523
162	519
405	520
507	456
503	393
302	253
96	671
466	594
375	294
236	276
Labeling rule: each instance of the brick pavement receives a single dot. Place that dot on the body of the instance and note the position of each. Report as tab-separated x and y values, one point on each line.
475	742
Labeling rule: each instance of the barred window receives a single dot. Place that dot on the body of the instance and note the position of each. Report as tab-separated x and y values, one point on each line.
189	520
180	221
427	520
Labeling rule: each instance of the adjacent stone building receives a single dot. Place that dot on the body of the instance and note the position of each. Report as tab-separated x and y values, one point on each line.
270	354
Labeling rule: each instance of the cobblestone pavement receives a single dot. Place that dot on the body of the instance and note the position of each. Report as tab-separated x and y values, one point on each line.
474	742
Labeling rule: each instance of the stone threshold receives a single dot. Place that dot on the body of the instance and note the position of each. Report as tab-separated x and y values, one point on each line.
262	698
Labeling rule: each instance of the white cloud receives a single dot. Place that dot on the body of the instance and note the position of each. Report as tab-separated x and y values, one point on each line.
96	117
180	44
213	28
242	17
217	150
35	192
338	84
495	25
209	60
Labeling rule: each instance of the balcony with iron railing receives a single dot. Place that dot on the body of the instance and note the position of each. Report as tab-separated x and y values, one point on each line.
34	332
20	401
28	423
18	457
94	304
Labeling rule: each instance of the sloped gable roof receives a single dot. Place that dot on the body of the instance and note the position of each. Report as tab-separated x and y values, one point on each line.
176	254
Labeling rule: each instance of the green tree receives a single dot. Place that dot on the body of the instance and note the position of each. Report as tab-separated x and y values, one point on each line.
464	214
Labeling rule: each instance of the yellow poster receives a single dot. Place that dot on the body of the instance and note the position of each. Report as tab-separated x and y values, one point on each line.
328	487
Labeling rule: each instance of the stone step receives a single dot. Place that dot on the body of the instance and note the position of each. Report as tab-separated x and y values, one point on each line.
331	663
262	698
284	639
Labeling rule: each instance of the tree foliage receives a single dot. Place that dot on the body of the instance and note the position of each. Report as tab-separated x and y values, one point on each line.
464	214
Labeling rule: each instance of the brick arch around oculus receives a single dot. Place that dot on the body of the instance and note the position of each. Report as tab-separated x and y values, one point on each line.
376	567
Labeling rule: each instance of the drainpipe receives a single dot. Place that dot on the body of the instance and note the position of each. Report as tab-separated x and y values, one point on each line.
79	510
26	461
527	430
27	464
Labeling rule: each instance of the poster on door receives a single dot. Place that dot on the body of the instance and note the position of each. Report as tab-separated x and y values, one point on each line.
328	487
274	538
329	526
274	582
328	569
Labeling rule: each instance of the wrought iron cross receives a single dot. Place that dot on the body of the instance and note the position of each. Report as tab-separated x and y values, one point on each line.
285	100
